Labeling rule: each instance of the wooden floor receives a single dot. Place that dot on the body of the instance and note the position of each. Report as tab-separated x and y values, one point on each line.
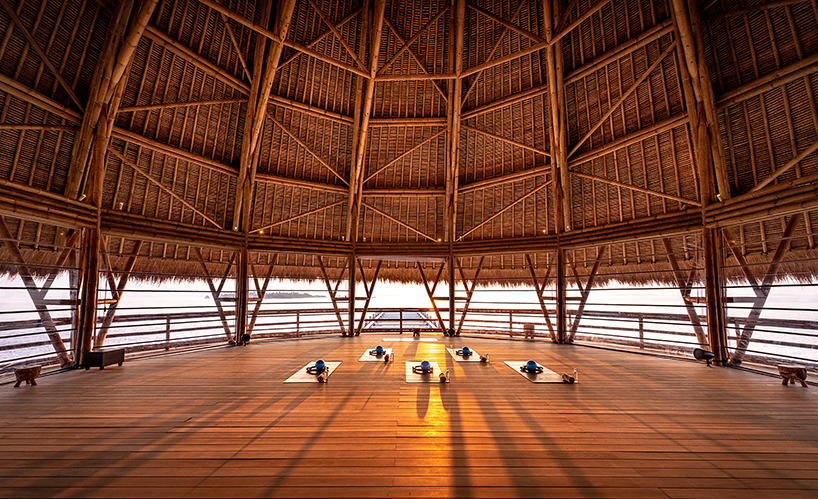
221	423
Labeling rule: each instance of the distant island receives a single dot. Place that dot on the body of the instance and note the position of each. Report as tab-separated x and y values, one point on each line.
270	295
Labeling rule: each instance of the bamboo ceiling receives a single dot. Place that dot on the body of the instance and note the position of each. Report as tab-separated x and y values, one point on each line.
417	129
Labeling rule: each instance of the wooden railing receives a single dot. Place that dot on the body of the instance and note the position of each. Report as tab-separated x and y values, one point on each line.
782	340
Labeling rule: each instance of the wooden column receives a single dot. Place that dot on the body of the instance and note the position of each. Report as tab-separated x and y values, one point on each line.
362	115
458	23
352	280
257	112
716	323
562	308
242	291
90	245
452	302
559	162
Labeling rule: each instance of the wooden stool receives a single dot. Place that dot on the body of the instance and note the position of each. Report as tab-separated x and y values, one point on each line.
416	332
528	329
792	373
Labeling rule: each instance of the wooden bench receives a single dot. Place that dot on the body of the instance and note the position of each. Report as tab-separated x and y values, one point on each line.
102	358
792	373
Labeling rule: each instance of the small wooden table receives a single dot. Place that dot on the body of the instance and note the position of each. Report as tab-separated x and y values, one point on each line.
792	373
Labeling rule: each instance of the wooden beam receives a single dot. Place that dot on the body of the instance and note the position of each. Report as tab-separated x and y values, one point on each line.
576	22
494	49
635	188
171	105
786	167
414	56
162	186
117	292
279	39
306	147
413	39
137	24
455	105
469	291
508	24
630	139
506	208
323	35
778	78
43	56
508	141
236	47
504	179
356	179
764	290
403	155
615	105
35	293
277	100
264	70
430	294
684	289
337	34
584	291
332	295
369	291
539	289
402	224
214	293
301	215
645	38
261	293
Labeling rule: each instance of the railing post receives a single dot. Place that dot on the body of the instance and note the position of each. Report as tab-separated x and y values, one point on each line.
298	323
511	324
167	333
641	332
400	312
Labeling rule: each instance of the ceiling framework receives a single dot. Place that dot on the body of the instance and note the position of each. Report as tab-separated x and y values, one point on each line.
383	127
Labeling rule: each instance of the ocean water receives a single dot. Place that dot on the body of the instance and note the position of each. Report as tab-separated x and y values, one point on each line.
664	321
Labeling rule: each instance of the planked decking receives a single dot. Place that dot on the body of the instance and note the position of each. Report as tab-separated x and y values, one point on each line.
221	423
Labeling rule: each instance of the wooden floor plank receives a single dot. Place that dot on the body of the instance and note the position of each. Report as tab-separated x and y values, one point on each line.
221	423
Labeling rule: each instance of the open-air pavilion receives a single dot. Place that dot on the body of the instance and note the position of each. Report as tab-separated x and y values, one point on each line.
645	170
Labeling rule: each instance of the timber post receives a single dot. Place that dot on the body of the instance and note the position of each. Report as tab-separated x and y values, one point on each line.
562	309
242	291
351	295
716	324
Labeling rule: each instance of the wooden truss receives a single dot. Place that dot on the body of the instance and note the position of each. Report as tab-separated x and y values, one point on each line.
430	292
585	290
762	289
332	289
539	287
216	291
369	288
261	292
36	293
469	288
685	285
117	289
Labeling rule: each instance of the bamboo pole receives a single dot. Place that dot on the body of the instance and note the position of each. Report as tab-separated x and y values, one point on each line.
43	56
403	155
323	35
236	47
260	95
357	173
684	289
505	208
507	24
35	294
506	101
584	291
301	215
414	56
508	141
332	293
171	105
399	222
117	292
504	179
635	188
614	106
539	290
129	43
337	34
458	20
413	39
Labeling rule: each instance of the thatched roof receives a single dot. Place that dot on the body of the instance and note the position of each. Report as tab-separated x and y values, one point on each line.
200	153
